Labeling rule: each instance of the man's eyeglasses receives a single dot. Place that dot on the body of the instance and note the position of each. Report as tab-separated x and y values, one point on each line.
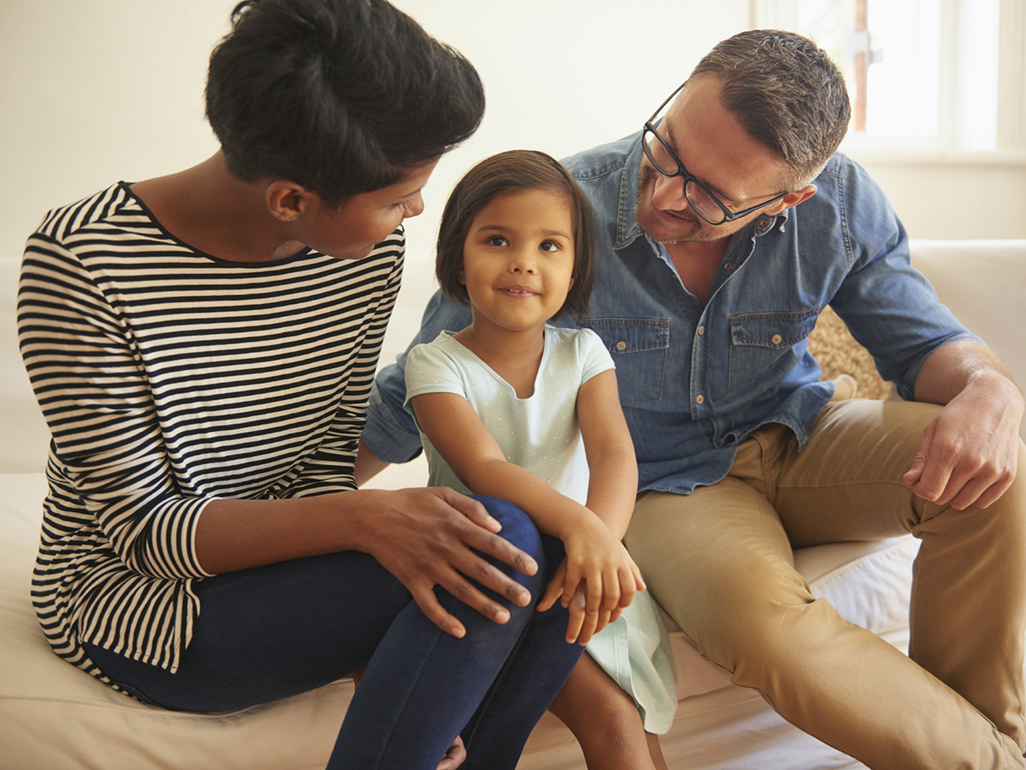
702	200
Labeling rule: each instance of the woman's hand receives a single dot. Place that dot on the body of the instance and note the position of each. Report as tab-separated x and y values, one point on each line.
596	581
428	537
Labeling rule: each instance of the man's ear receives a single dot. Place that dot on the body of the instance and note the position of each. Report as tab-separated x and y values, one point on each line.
792	200
287	201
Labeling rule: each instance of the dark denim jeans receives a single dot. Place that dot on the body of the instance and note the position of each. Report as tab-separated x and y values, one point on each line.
274	631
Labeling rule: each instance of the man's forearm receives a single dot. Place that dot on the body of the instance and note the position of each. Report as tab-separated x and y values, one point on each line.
958	365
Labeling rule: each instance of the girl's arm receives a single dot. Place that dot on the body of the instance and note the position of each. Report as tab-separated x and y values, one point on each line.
613	481
594	553
613	484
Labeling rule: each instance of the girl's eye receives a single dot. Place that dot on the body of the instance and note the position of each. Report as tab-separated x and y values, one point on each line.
497	240
549	246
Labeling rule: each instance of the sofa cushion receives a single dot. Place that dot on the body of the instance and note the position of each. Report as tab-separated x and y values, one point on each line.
56	716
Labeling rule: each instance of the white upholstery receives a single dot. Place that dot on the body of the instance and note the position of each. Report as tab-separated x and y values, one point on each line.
53	716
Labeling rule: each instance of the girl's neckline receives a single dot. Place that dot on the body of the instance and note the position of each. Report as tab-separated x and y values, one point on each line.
546	345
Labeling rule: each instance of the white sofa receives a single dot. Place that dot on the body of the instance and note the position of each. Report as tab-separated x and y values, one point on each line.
53	716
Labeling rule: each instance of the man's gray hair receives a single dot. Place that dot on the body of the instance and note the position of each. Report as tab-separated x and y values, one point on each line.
787	94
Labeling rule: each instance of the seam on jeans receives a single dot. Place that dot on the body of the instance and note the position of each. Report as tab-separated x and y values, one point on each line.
469	740
402	709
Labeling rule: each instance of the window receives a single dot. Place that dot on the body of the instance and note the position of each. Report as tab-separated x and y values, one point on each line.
925	76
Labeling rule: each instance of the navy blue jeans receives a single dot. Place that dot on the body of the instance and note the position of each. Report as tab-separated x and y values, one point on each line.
274	631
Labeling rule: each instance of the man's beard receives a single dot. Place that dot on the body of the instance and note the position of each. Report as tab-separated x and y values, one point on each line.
693	229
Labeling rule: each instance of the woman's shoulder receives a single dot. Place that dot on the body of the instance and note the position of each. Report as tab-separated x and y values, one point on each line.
107	205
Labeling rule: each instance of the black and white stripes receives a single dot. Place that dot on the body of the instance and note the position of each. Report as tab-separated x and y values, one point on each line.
169	378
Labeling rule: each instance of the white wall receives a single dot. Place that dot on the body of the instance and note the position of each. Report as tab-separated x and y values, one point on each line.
93	92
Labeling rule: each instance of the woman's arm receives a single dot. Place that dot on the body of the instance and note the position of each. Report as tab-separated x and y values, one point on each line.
425	537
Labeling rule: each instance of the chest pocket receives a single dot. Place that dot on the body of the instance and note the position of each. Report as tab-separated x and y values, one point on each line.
639	347
762	344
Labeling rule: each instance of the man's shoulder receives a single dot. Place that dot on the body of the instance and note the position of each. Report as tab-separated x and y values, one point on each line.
602	160
842	172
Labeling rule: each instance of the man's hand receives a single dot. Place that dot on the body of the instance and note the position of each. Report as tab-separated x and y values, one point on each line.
969	453
427	537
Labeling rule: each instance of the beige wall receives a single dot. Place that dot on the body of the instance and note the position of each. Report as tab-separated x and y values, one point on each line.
93	92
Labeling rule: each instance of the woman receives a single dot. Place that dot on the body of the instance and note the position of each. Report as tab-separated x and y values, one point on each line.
202	346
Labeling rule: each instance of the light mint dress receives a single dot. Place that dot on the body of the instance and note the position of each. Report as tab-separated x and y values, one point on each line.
541	433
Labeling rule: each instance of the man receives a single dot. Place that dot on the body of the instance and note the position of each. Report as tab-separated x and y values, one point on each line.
724	228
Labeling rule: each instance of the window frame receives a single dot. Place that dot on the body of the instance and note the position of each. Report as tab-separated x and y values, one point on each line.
949	146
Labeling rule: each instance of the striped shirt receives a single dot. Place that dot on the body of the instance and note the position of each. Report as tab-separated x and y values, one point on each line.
168	379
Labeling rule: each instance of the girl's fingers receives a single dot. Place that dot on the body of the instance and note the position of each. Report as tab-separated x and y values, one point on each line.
577	616
552	592
588	626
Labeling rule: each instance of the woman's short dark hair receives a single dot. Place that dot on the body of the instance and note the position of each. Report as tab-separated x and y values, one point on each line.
786	92
510	172
340	96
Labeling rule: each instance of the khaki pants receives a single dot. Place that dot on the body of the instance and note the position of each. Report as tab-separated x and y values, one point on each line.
719	561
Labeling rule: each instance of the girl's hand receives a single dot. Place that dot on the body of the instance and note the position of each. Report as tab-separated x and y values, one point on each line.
428	537
597	580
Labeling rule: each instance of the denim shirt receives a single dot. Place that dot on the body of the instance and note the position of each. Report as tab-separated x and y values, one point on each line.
694	382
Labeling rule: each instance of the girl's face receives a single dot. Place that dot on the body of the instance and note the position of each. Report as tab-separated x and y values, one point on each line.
518	259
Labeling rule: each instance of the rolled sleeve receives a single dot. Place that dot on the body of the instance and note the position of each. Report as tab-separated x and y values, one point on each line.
390	431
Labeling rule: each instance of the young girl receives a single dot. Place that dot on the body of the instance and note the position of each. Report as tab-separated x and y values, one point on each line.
513	408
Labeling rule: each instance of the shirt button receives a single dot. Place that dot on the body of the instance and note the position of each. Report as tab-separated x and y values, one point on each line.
777	339
728	266
621	345
700	399
763	223
701	330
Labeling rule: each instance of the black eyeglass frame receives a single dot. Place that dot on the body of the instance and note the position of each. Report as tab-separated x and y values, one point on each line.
728	215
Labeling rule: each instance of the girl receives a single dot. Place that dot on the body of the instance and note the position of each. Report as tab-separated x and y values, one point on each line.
512	408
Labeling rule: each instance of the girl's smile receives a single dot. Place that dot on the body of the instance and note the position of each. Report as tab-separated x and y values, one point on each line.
518	260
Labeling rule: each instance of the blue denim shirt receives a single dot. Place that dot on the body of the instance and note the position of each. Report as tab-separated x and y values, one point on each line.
695	382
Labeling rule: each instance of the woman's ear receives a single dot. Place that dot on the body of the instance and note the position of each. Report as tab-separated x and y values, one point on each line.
287	201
